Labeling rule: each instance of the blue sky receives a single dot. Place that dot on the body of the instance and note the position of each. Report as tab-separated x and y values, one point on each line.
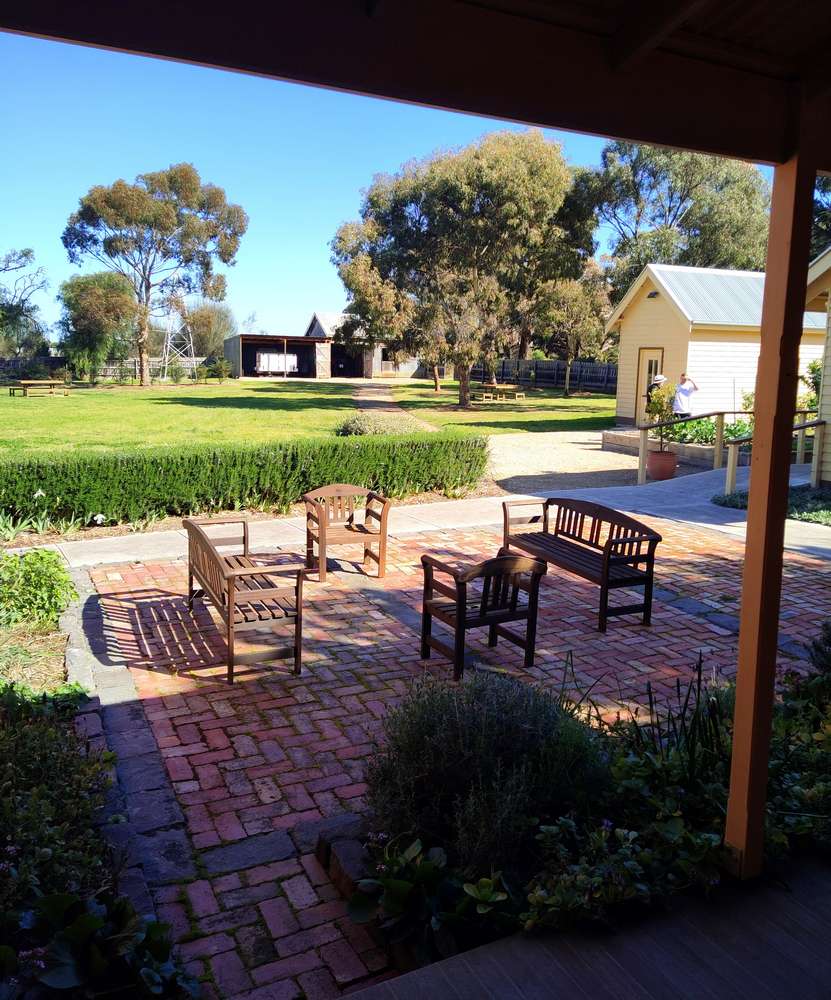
296	158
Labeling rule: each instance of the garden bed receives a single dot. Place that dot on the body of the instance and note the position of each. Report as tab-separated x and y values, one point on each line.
499	806
805	503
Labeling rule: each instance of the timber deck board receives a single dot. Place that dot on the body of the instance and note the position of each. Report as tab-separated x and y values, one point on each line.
761	942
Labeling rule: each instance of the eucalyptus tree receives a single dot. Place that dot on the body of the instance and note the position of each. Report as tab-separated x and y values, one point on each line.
449	251
164	233
671	207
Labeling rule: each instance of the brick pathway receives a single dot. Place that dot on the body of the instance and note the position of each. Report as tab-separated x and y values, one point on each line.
256	769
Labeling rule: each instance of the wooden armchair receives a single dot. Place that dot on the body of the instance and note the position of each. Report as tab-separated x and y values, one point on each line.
246	596
510	593
330	520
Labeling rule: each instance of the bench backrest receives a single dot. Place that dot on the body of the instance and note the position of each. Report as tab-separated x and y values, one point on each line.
205	561
592	524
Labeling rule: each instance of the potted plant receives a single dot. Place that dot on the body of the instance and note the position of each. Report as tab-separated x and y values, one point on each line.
660	463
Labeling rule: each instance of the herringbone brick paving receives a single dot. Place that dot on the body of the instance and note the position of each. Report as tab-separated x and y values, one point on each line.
274	752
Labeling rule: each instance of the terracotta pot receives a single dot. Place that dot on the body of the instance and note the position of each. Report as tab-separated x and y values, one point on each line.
661	464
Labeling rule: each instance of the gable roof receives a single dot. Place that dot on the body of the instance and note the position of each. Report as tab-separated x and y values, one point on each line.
709	296
819	274
327	321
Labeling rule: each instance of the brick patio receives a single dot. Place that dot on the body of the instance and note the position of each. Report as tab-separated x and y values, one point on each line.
256	769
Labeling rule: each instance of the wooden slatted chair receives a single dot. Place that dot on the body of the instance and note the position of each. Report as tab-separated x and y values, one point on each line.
509	593
331	520
248	597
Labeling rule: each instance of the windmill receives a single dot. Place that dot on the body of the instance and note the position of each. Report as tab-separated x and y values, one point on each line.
178	343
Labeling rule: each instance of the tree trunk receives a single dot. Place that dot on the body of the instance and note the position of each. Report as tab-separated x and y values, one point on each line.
567	385
142	337
463	373
524	346
436	379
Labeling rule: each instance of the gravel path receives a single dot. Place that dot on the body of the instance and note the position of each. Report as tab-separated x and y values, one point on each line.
560	460
380	398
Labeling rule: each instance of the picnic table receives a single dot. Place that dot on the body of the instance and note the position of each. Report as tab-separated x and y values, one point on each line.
28	387
483	392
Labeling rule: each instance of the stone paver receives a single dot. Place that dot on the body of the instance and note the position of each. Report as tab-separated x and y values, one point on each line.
257	769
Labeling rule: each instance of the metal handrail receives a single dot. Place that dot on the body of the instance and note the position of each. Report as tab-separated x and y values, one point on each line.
798	429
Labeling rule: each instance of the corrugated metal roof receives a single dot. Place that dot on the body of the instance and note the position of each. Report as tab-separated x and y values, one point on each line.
709	296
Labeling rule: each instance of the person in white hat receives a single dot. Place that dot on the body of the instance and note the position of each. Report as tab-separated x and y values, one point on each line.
656	383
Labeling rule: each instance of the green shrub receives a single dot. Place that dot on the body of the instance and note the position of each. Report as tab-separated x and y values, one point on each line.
470	767
34	588
111	487
200	373
175	371
703	431
378	423
221	369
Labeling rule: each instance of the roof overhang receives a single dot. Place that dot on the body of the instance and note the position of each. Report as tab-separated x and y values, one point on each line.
819	278
652	73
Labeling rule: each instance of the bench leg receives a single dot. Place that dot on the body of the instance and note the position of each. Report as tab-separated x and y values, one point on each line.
459	653
298	645
492	636
531	636
382	557
604	608
191	594
647	600
321	562
230	640
426	632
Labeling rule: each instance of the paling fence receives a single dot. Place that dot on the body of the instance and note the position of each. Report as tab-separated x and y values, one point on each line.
552	374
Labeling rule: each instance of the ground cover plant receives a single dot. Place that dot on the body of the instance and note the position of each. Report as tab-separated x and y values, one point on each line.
541	410
132	485
115	417
804	503
647	825
62	927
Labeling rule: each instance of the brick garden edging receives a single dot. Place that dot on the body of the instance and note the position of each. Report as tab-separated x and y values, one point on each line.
151	839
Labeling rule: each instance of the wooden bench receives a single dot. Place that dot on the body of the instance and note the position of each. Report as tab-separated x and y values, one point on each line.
28	387
247	596
509	593
596	543
331	520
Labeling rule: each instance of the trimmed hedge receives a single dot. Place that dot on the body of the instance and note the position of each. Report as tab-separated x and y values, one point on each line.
111	487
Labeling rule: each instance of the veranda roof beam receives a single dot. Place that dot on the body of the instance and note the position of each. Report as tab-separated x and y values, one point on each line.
646	25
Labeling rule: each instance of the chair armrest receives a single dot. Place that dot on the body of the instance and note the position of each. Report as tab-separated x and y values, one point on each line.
437	564
314	511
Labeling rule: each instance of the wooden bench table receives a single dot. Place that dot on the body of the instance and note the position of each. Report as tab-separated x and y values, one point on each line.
593	542
28	387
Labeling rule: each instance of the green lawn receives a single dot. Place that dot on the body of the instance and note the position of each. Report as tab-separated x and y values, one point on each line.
116	417
541	410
